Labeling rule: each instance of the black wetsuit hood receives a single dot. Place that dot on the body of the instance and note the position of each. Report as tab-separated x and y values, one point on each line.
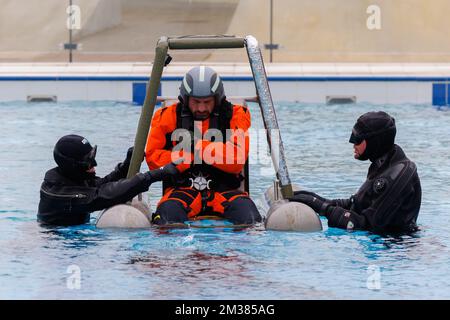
74	156
378	129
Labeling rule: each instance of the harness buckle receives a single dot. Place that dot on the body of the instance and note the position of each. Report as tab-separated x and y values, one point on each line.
200	183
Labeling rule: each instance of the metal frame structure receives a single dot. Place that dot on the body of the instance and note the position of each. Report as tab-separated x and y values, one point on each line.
262	89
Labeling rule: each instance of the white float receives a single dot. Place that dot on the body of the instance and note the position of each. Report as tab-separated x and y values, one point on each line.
283	215
136	215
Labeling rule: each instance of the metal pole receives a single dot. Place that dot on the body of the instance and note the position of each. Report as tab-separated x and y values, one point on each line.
206	42
268	115
70	33
148	107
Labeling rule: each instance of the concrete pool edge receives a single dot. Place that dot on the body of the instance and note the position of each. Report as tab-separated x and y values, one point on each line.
378	83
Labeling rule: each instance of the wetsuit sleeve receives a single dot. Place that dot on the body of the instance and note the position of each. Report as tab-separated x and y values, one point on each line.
230	156
384	208
116	192
339	217
119	172
343	203
156	155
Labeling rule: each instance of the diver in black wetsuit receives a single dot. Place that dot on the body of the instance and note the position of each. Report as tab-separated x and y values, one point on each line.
389	200
71	191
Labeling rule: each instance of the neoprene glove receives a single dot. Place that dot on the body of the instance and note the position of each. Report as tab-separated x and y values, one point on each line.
127	161
316	202
163	173
125	164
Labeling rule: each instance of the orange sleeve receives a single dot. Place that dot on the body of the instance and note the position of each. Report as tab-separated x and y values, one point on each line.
232	154
156	156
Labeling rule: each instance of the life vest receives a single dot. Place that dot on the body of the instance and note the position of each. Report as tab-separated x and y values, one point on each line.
219	119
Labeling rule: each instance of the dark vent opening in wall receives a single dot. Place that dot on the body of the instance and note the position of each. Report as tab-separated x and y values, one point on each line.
341	99
41	98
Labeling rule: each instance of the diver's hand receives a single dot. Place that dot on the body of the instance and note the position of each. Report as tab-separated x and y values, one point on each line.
127	161
125	164
168	171
316	202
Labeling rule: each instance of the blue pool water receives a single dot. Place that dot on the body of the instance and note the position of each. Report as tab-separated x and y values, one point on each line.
223	264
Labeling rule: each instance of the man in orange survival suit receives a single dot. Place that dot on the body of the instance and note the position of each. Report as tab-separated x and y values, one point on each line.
210	174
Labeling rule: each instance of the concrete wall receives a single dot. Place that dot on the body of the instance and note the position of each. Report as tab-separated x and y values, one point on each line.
331	30
98	15
34	28
306	30
32	25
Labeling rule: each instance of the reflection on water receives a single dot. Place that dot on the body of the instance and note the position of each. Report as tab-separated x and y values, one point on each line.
194	264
